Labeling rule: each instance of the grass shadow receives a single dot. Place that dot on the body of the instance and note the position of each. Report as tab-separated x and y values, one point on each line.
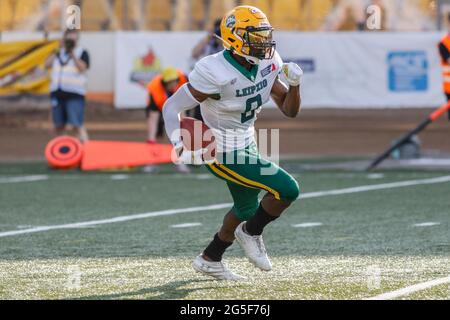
170	290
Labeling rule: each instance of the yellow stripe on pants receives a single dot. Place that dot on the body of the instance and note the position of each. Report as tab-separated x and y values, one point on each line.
225	176
252	183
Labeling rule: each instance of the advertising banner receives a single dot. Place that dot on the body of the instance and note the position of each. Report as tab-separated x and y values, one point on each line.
341	70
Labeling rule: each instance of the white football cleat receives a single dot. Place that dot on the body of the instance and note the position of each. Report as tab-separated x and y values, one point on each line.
254	248
215	269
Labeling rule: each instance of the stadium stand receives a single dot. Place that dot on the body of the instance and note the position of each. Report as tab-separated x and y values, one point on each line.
95	16
13	14
305	15
198	13
286	14
217	8
158	15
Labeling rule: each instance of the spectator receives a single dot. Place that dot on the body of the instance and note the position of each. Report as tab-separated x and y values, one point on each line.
444	51
209	45
345	11
408	15
68	84
396	15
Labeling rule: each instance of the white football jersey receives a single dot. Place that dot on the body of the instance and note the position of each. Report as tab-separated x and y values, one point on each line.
237	96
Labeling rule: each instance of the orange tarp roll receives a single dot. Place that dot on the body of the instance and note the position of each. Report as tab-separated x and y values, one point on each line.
113	154
64	152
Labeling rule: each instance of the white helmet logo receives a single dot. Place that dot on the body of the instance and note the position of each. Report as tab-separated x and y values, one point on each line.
231	21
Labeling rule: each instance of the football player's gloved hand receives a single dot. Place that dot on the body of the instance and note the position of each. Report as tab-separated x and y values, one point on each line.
292	73
191	157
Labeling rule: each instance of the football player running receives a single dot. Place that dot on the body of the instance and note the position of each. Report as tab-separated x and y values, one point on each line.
231	86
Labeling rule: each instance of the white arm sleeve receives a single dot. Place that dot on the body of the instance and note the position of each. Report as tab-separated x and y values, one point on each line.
180	101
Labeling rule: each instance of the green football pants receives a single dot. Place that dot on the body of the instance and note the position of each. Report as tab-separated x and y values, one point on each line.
246	174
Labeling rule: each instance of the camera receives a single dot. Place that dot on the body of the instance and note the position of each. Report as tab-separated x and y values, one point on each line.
69	44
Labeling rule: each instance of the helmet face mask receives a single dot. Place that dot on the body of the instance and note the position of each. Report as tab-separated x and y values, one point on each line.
258	43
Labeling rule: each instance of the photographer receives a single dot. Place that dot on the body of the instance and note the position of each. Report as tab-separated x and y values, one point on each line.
68	84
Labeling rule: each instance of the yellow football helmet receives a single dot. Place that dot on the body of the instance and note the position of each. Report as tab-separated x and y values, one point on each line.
247	31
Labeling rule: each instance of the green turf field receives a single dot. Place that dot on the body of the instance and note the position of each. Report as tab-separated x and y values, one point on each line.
367	242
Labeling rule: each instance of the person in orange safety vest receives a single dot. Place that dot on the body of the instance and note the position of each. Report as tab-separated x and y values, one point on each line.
159	90
444	51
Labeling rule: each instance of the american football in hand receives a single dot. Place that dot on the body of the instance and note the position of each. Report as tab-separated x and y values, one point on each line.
197	135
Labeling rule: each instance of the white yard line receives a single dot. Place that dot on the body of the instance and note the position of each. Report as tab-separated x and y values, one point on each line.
23	179
382	186
186	225
205	176
375	176
224	206
307	225
426	224
411	289
119	177
116	219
